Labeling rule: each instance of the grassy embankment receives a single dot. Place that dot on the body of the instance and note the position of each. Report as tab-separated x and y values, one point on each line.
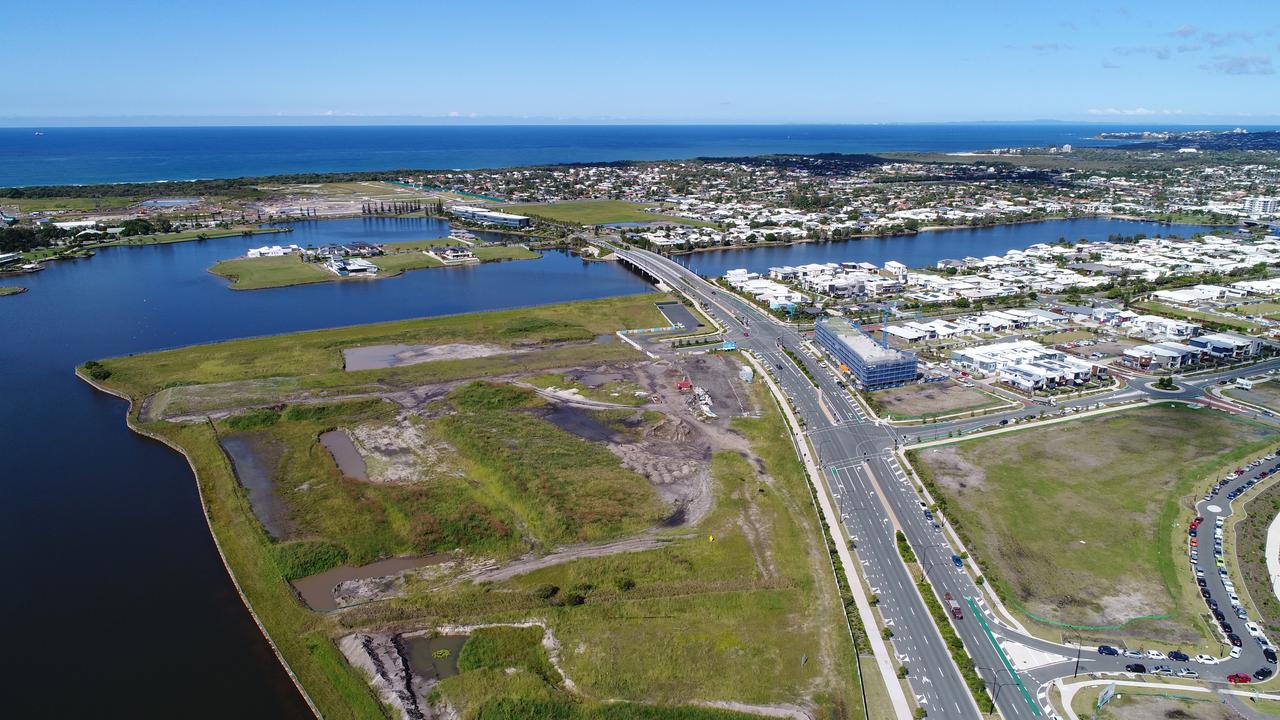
692	620
1075	522
273	272
11	290
1268	310
597	212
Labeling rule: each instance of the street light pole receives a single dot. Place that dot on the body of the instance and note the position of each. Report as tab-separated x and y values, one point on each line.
1076	671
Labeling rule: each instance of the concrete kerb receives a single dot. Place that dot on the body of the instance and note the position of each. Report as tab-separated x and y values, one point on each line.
881	652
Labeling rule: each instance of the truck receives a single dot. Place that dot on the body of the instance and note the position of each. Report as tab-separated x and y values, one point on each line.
956	612
1244	384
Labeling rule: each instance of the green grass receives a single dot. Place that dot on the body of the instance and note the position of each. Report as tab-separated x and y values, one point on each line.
1269	310
11	290
1065	336
1074	521
189	235
270	272
499	648
317	355
402	262
27	205
597	212
1266	394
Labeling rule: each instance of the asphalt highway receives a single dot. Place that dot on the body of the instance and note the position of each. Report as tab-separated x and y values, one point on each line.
876	498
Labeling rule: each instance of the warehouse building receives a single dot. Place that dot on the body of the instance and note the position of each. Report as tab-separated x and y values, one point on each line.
492	217
870	364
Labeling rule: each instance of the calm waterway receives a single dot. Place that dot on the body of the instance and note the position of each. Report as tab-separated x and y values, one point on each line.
101	529
927	248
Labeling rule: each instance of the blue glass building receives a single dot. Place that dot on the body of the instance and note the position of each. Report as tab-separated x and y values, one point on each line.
870	364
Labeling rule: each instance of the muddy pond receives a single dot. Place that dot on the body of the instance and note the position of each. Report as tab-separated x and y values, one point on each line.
435	658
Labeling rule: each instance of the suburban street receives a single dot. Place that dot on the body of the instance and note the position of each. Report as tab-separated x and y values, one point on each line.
876	498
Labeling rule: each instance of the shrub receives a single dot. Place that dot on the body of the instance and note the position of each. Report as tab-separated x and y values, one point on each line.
545	592
300	559
96	370
624	584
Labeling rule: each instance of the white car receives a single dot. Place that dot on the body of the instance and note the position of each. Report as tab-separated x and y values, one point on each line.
1253	629
1134	654
1156	655
1206	659
1188	673
1235	652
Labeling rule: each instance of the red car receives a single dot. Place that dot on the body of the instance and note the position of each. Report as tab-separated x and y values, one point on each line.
1194	543
1239	678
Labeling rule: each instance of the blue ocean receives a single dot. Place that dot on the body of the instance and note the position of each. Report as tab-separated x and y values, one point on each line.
87	155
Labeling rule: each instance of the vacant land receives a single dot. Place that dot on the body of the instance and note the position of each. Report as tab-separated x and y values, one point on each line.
1065	336
712	600
27	205
1266	394
1131	703
1233	323
596	212
924	400
1074	522
1268	310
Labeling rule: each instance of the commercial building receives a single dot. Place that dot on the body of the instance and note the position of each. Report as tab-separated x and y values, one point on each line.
492	217
1261	205
1162	356
870	364
1025	364
1227	345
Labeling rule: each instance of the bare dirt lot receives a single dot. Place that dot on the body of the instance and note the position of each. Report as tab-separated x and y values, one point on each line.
385	356
935	398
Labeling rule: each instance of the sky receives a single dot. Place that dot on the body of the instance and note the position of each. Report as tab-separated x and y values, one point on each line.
695	61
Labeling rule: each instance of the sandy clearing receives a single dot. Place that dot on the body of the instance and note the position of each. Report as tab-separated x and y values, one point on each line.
373	357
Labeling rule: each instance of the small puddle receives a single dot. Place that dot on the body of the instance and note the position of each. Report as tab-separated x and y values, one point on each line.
435	658
578	422
253	459
345	454
317	590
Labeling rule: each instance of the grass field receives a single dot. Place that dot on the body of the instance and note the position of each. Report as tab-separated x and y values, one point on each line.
930	400
1268	310
596	212
1066	336
27	205
270	272
11	290
1074	522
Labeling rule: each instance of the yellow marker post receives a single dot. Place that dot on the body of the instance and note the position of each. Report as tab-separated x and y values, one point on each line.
711	538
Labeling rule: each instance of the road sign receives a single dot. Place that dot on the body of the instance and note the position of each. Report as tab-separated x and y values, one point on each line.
1105	696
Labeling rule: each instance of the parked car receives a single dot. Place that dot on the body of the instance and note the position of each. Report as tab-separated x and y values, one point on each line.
1140	668
1270	655
1178	656
1234	638
1133	654
1262	673
1188	673
1239	678
1155	655
1162	670
1107	650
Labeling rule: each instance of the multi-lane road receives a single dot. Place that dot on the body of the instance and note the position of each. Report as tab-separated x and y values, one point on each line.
876	498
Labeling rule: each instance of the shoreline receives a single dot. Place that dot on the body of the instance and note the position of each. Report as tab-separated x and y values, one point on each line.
926	229
213	535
